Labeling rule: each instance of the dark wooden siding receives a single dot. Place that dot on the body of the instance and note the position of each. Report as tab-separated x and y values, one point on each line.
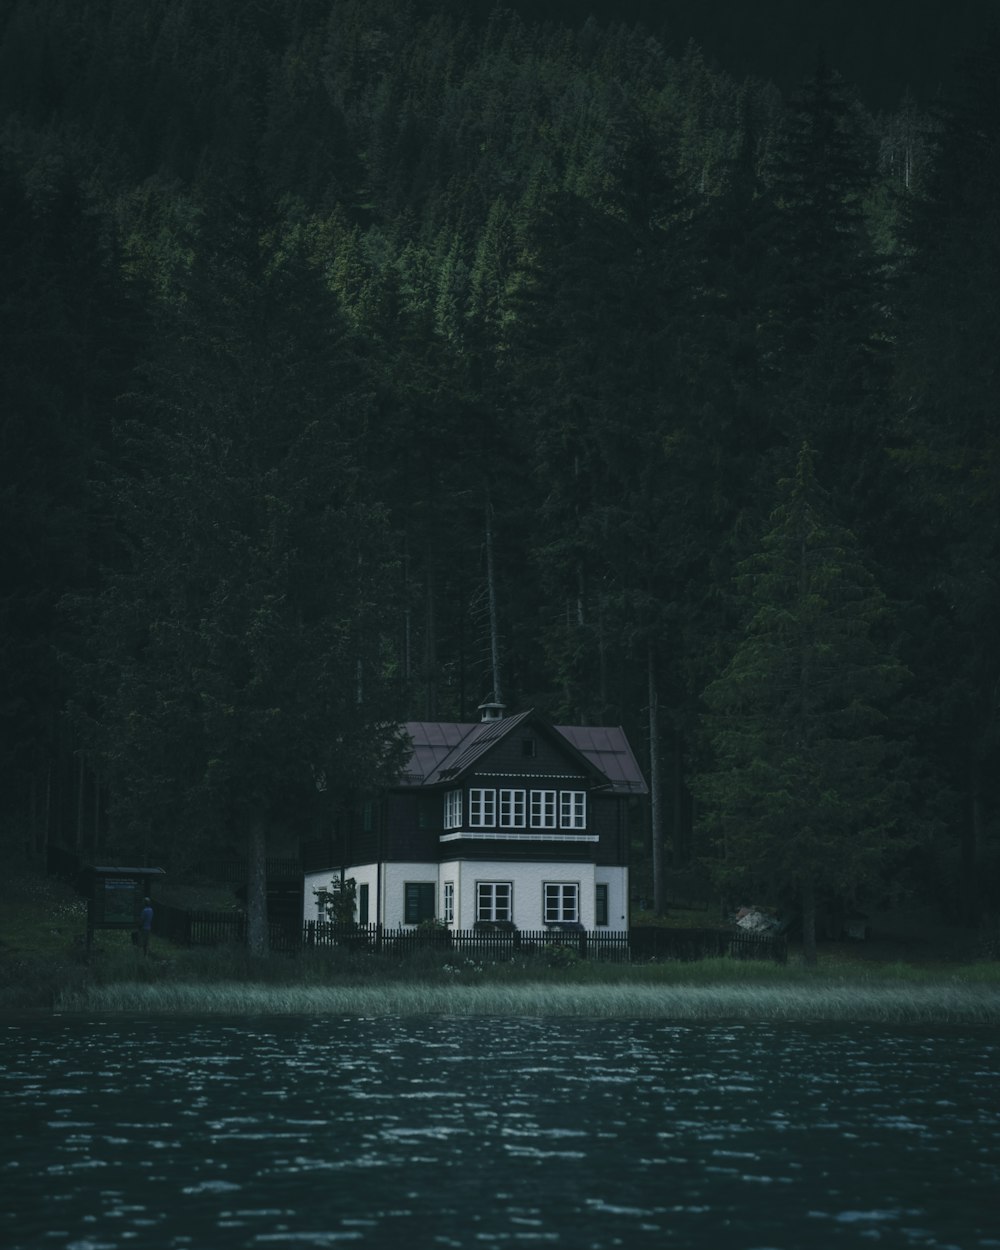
413	826
515	768
412	819
520	852
608	817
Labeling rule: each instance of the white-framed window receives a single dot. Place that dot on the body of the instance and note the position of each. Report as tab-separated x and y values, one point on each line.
543	809
572	809
511	809
418	902
562	901
494	900
448	903
453	809
482	808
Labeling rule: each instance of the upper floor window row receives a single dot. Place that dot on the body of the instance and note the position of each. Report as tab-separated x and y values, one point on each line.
519	809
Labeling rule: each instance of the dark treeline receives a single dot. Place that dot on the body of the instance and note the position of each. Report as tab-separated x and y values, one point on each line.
363	360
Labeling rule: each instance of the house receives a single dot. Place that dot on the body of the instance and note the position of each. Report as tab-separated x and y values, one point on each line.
509	821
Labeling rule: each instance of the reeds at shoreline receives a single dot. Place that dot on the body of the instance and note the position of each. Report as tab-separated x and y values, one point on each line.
941	1003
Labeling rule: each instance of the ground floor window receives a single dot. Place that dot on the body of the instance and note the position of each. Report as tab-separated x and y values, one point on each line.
363	903
494	900
448	903
419	902
562	902
601	904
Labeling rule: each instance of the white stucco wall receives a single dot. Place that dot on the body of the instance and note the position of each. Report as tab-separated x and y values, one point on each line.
394	880
362	874
527	880
616	879
314	881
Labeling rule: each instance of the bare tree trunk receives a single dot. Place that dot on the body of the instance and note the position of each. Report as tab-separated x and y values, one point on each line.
656	789
808	923
430	651
972	834
257	935
491	586
78	834
47	820
679	838
97	815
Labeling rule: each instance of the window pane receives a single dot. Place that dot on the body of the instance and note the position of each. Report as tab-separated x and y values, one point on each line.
601	905
562	903
453	809
543	809
494	900
419	902
573	809
482	808
512	809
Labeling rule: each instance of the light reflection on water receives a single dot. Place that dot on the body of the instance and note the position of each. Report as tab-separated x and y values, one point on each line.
466	1132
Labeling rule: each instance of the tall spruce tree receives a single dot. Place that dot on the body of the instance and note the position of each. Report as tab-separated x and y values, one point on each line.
804	798
235	675
947	382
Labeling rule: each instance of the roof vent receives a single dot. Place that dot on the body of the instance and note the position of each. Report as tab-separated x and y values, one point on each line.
491	711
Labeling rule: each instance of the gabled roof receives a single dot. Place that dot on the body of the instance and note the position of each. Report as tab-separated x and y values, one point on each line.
444	750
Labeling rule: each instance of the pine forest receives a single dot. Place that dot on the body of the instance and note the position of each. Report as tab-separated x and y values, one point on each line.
365	360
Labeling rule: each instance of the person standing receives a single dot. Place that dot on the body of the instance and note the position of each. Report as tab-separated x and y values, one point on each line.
145	925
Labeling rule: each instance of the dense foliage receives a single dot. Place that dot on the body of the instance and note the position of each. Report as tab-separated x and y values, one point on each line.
367	359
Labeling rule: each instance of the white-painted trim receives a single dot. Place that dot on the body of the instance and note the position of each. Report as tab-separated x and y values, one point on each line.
519	837
528	777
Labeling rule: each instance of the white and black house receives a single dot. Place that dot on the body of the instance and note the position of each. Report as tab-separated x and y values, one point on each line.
510	821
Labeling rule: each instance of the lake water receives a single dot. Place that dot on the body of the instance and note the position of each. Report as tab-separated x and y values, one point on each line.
474	1132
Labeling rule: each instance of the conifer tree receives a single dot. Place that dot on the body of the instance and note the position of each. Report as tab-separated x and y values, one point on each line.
234	678
804	797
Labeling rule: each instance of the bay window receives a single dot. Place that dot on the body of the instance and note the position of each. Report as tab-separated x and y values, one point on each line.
511	809
573	809
482	808
453	809
543	809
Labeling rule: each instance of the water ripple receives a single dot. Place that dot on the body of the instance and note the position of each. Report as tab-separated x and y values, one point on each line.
430	1133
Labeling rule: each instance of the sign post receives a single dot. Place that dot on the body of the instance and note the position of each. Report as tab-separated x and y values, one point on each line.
115	896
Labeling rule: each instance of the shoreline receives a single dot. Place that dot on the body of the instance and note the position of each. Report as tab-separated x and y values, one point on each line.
942	1003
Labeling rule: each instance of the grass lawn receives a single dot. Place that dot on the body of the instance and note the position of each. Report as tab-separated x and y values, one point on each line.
898	976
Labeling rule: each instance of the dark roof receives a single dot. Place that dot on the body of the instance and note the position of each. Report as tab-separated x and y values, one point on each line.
608	749
445	749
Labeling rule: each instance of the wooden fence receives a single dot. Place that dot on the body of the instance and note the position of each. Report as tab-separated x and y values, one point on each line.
492	944
653	942
211	928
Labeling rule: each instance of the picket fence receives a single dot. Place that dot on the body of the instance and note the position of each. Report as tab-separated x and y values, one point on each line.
210	928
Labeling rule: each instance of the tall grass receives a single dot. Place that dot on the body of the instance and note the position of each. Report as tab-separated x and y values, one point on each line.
945	1002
